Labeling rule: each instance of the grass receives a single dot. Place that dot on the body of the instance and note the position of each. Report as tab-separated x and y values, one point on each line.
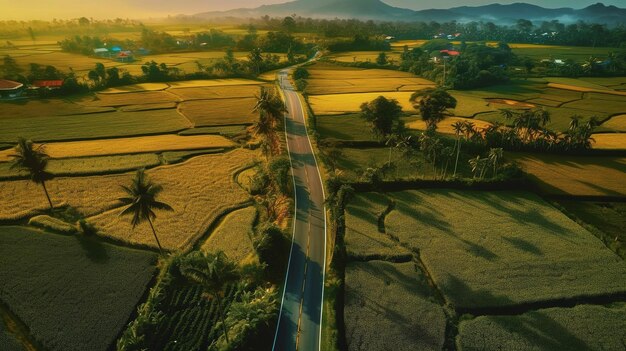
585	88
390	300
600	106
363	239
8	342
92	126
611	141
52	224
576	53
559	117
495	249
136	145
199	190
72	276
337	104
575	175
608	217
233	235
219	112
584	327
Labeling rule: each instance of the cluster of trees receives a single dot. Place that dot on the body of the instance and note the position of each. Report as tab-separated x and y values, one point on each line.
9	69
524	31
359	42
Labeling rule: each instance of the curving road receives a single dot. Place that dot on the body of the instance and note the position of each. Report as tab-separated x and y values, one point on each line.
299	323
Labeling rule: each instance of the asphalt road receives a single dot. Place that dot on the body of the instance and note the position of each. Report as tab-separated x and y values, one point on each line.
301	308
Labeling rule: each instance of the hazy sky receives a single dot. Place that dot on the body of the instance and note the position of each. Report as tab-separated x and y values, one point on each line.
48	9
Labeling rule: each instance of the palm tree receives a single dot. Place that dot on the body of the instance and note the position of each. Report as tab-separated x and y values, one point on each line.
35	161
574	122
141	202
495	156
214	272
270	108
458	130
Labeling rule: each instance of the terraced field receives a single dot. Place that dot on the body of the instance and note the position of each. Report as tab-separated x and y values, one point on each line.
519	241
233	236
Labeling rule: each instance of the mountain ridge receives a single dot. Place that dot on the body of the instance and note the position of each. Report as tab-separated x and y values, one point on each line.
380	11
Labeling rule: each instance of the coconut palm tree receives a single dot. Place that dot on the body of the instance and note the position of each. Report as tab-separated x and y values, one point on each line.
495	156
34	161
458	130
142	201
214	272
270	108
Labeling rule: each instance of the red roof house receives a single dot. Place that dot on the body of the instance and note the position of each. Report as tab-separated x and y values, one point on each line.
50	84
10	89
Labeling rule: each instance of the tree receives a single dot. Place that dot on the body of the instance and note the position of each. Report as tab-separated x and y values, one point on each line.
270	108
459	127
382	114
301	73
433	104
289	24
142	201
34	161
10	69
495	156
213	272
382	59
256	59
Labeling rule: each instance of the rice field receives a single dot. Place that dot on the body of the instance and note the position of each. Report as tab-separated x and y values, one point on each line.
124	99
337	104
394	301
363	56
584	327
219	112
363	239
575	175
135	88
233	236
71	277
519	242
92	126
199	190
217	92
609	141
89	165
136	145
344	127
213	83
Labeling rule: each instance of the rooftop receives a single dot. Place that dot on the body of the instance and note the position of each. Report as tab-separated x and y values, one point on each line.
6	84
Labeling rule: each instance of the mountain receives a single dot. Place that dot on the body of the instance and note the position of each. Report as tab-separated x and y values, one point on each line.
378	10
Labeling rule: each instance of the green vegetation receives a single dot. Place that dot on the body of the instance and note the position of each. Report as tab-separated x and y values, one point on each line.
394	301
52	224
8	342
71	275
584	327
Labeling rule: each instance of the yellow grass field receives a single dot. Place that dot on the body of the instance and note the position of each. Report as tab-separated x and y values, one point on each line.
219	111
118	146
362	56
233	235
575	175
345	103
136	88
610	141
445	126
199	190
213	82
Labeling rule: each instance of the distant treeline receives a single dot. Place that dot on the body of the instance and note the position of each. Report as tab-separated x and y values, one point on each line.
546	32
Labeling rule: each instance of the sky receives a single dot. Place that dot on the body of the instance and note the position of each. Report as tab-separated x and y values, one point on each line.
48	9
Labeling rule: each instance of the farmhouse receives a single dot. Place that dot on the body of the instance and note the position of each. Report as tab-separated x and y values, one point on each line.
10	89
101	52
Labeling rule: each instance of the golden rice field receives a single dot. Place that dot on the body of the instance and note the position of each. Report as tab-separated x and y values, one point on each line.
207	178
219	112
103	147
148	107
609	141
217	92
136	88
363	56
48	107
586	89
616	123
446	126
393	300
123	99
337	104
213	83
233	236
575	175
199	190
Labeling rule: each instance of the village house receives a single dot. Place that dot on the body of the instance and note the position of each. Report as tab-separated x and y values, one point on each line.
10	89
